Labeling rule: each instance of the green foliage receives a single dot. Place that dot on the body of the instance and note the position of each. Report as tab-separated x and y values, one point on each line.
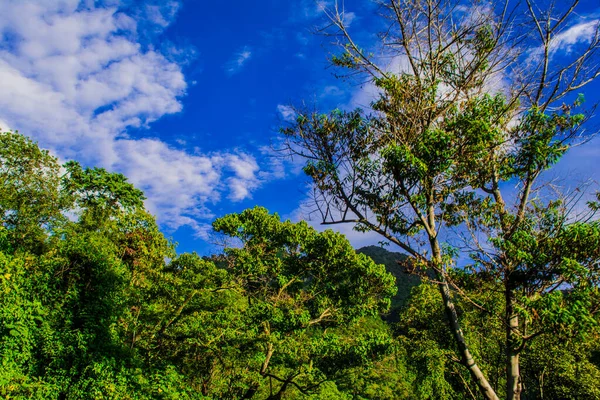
30	198
443	155
95	187
428	345
307	293
64	284
101	306
563	369
320	272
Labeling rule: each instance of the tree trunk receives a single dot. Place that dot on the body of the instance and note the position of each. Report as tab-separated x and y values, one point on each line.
467	359
513	378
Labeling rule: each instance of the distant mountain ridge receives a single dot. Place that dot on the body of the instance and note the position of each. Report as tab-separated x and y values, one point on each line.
404	281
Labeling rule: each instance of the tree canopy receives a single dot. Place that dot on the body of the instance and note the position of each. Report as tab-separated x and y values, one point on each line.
95	302
447	164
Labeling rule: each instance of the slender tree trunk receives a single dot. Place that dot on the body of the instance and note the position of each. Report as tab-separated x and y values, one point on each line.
467	359
513	377
263	370
436	256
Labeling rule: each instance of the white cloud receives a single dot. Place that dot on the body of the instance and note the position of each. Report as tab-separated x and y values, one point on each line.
4	127
278	162
302	38
348	18
75	78
162	13
368	91
331	91
238	61
311	9
244	180
286	112
581	33
320	9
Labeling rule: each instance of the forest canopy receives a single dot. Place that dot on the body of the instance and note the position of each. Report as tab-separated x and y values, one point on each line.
96	303
494	291
92	308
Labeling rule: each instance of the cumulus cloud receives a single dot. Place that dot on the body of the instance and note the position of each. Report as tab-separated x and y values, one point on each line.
244	168
76	77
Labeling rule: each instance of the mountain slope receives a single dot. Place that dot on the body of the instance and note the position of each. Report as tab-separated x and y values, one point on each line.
404	280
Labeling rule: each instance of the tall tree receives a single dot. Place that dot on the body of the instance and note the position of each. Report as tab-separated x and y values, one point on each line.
30	195
478	99
308	294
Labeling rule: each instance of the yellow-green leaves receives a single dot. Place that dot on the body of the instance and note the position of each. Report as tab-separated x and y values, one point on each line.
306	291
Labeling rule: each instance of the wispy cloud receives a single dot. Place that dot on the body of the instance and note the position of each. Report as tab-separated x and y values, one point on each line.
163	13
581	33
309	10
313	9
4	126
331	91
348	18
302	38
287	113
238	61
564	42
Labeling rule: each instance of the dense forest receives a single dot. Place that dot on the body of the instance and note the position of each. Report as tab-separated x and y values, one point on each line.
96	303
490	286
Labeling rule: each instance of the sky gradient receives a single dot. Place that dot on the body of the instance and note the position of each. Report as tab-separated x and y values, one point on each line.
186	98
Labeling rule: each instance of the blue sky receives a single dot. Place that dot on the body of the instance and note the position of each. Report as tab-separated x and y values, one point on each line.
186	97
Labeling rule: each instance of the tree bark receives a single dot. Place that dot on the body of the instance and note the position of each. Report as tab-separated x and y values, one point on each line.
279	394
513	376
467	359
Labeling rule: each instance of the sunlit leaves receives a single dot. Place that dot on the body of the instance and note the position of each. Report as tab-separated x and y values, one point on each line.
30	196
99	188
306	292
